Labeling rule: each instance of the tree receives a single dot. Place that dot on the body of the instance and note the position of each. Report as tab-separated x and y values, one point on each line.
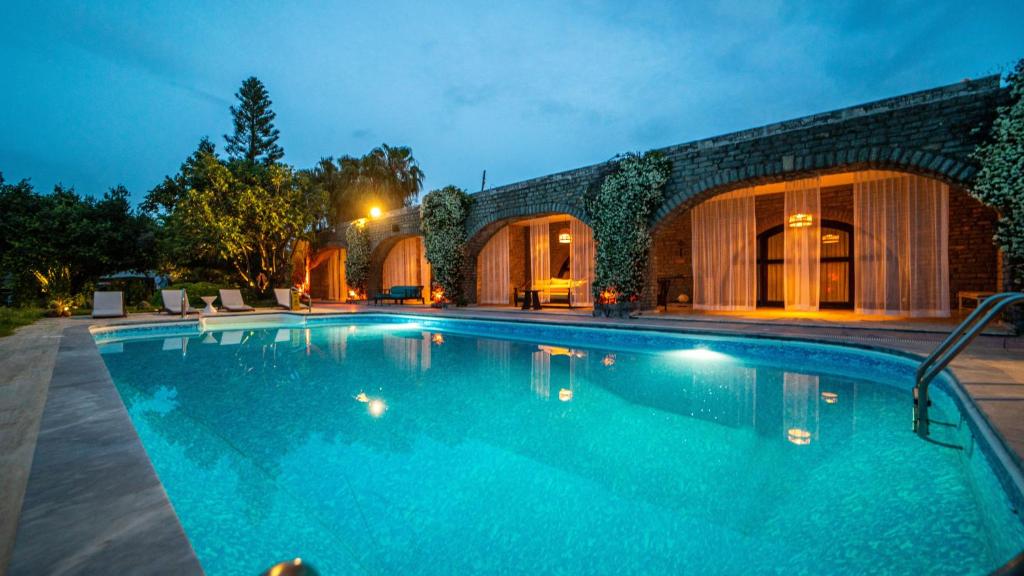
387	177
1000	181
255	137
68	240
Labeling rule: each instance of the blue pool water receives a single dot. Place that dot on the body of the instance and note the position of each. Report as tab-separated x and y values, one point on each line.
390	446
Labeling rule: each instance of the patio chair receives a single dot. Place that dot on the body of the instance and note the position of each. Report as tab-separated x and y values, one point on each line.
283	297
172	302
231	300
108	305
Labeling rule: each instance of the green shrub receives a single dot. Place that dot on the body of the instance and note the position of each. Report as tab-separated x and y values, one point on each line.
357	261
443	216
619	213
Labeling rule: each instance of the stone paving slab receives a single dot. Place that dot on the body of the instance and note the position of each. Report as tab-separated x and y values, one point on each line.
27	359
94	504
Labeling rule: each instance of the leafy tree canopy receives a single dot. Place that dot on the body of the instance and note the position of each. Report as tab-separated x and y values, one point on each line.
387	177
78	239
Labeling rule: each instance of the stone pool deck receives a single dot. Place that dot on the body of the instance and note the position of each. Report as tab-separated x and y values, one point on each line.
90	501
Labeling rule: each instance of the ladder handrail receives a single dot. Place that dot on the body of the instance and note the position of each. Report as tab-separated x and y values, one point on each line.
961	329
957	340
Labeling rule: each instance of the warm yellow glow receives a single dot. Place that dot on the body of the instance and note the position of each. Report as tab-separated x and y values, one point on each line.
362	397
377	407
564	237
375	212
608	360
800	220
361	222
437	339
830	239
561	351
830	397
565	395
798	436
297	561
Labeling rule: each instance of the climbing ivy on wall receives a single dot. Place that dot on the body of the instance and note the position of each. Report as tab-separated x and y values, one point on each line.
619	213
1000	182
357	261
443	221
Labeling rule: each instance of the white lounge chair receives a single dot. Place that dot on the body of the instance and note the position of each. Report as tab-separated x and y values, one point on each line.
284	297
172	302
108	305
231	300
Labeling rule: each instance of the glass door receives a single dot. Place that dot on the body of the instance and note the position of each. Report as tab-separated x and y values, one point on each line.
836	266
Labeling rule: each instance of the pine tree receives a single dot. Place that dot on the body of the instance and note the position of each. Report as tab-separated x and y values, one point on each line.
255	137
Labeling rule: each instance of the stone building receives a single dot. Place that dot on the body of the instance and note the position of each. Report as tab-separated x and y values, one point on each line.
863	208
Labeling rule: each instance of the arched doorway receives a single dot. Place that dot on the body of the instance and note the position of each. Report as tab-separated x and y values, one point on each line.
836	266
406	265
553	254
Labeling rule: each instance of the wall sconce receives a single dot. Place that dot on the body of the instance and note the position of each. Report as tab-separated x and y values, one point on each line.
564	237
800	220
375	212
830	397
830	239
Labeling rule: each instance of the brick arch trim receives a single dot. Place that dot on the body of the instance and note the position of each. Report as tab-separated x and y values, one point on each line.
925	163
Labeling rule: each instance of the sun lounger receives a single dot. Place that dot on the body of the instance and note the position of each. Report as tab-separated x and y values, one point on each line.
283	297
172	302
231	300
108	305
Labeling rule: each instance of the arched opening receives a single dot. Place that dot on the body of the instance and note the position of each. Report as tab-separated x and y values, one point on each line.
327	275
406	265
551	254
867	242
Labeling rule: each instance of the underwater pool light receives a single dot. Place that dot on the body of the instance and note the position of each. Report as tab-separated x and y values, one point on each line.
700	354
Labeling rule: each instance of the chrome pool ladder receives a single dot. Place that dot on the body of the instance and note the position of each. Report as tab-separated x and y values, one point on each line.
987	310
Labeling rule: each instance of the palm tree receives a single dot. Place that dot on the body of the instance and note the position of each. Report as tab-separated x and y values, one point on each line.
388	177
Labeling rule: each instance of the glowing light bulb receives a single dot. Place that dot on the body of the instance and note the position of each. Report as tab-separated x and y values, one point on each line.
377	408
375	212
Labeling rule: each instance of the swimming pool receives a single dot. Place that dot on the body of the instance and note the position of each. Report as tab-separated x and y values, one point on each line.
404	445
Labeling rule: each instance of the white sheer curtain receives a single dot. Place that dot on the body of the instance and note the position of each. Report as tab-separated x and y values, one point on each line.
901	225
424	270
540	257
802	240
581	262
403	264
494	271
725	252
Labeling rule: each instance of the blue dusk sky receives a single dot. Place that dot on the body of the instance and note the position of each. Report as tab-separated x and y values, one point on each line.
95	94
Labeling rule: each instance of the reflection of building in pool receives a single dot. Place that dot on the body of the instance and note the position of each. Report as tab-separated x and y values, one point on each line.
569	367
800	416
408	352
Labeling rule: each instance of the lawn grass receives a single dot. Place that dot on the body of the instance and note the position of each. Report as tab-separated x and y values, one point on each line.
11	318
